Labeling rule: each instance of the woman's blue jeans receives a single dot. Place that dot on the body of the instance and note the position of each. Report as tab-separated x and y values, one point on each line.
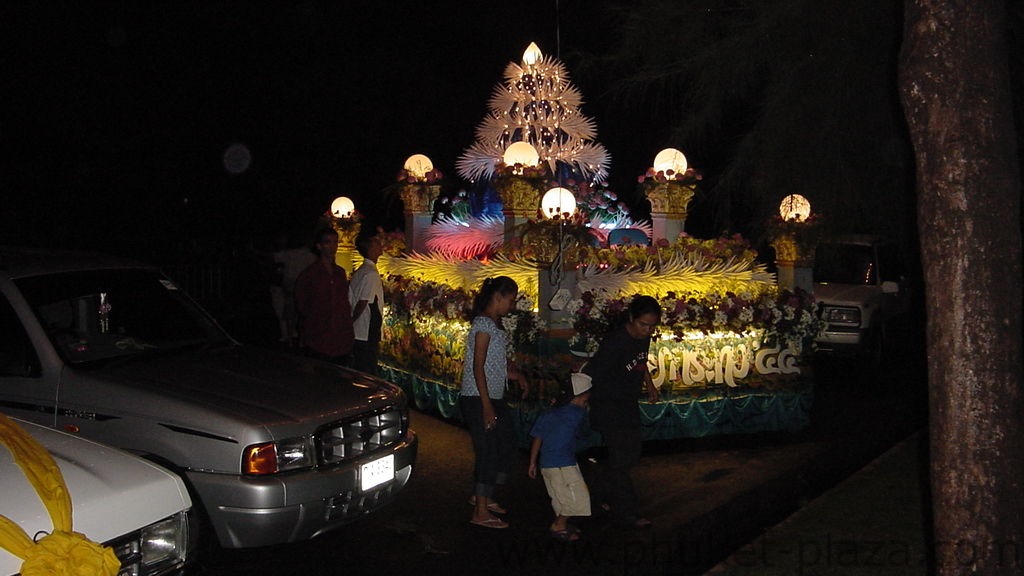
493	449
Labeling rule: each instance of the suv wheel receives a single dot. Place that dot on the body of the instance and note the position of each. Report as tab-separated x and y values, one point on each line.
874	347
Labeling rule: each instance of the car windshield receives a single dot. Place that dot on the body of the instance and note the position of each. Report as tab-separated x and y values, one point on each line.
844	264
100	315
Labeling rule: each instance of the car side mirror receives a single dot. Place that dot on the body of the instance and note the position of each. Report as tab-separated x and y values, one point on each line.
890	287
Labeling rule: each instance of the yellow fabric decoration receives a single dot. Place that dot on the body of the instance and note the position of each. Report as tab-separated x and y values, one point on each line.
40	469
62	552
69	554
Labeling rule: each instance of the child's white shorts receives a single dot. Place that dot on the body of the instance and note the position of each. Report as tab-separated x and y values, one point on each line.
568	491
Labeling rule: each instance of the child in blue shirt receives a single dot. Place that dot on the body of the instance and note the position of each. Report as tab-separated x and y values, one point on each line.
554	442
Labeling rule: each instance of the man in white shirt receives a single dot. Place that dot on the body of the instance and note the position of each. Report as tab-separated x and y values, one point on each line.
366	295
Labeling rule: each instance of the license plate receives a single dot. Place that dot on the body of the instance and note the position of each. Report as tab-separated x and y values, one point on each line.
378	472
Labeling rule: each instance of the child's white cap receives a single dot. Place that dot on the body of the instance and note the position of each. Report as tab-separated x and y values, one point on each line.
580	383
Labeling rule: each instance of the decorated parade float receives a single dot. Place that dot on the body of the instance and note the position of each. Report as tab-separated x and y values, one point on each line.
730	354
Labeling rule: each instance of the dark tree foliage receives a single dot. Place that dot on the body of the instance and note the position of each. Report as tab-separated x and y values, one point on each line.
770	99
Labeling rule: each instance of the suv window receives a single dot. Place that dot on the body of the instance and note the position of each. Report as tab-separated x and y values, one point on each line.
889	264
17	355
845	264
99	315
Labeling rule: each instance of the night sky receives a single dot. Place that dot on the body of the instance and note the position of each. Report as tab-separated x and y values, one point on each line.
117	116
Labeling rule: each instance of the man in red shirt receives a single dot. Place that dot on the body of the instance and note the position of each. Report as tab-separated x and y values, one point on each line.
321	298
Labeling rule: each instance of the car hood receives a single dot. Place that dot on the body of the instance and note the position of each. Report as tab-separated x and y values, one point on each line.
112	492
846	294
257	386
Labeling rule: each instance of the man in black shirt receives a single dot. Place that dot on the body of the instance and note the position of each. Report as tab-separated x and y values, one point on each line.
618	369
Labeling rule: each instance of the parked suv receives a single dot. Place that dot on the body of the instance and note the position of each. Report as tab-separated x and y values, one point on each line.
137	508
274	447
860	286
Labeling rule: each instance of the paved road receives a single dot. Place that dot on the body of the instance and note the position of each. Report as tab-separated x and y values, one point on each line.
706	496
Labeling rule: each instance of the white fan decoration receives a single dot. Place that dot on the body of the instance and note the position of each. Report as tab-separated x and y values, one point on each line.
536	104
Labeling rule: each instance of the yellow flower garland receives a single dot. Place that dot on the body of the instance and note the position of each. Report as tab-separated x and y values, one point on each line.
62	552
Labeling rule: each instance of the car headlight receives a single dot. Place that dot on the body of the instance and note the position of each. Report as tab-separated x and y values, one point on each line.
156	549
849	316
280	456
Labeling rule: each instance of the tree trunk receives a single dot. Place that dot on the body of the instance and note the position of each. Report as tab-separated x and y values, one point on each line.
955	88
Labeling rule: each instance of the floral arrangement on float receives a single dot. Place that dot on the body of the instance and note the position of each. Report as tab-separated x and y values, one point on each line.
599	202
541	240
426	323
425	326
719	281
726	323
710	339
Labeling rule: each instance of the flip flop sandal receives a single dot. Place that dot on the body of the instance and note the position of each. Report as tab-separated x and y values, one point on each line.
567	535
496	523
492	506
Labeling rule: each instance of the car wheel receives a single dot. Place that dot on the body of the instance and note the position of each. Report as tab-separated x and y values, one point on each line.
873	351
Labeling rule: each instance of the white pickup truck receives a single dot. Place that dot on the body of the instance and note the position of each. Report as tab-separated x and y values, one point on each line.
860	285
135	507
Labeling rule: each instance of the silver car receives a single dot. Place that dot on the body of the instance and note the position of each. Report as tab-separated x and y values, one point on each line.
274	447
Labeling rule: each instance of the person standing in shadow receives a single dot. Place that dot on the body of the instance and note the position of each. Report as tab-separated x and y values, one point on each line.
290	258
321	298
366	296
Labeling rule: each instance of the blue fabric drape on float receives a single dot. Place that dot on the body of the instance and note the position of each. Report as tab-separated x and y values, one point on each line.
705	413
427	395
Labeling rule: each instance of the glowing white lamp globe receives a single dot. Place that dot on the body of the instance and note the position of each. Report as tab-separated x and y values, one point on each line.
532	55
795	208
670	159
558	201
342	207
520	153
418	165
